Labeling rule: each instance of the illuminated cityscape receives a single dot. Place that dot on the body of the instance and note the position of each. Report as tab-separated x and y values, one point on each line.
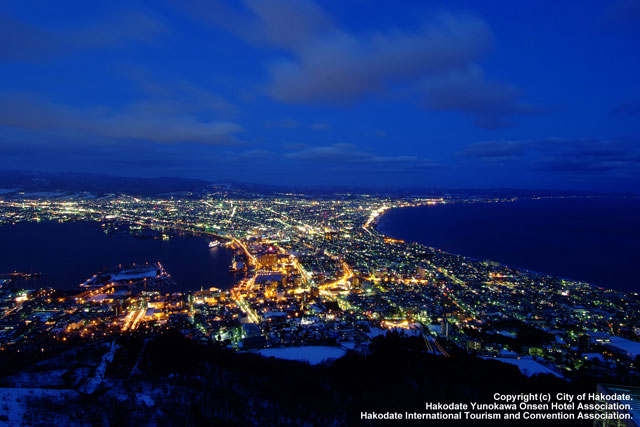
319	213
316	272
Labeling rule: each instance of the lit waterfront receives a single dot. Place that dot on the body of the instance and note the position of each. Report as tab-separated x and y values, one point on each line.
317	273
67	253
588	239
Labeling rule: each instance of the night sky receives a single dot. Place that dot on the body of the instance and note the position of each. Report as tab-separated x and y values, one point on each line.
523	94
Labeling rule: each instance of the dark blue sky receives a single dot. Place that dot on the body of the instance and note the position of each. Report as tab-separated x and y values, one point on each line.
539	94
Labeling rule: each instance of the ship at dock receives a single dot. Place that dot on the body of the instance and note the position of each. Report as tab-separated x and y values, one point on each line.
132	275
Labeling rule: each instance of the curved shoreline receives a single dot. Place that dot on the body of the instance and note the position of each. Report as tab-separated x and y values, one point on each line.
144	251
563	276
474	259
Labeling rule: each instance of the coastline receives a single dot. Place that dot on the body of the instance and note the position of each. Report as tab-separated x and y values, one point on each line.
136	249
377	226
471	258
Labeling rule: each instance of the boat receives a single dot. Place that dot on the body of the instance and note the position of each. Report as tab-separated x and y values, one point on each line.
214	244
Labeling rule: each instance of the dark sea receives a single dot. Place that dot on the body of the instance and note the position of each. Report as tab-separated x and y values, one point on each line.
68	253
595	240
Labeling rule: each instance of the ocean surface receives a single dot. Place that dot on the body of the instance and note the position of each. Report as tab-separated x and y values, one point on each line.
595	240
69	253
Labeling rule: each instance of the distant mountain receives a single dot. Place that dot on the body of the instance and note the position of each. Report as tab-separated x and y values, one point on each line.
98	184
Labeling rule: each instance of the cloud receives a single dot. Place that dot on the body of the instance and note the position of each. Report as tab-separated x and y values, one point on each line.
327	64
592	155
179	96
337	66
562	155
288	22
138	121
495	150
20	41
348	155
276	23
324	63
130	157
492	104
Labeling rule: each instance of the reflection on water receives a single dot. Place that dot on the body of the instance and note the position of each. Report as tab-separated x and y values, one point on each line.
68	253
596	240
